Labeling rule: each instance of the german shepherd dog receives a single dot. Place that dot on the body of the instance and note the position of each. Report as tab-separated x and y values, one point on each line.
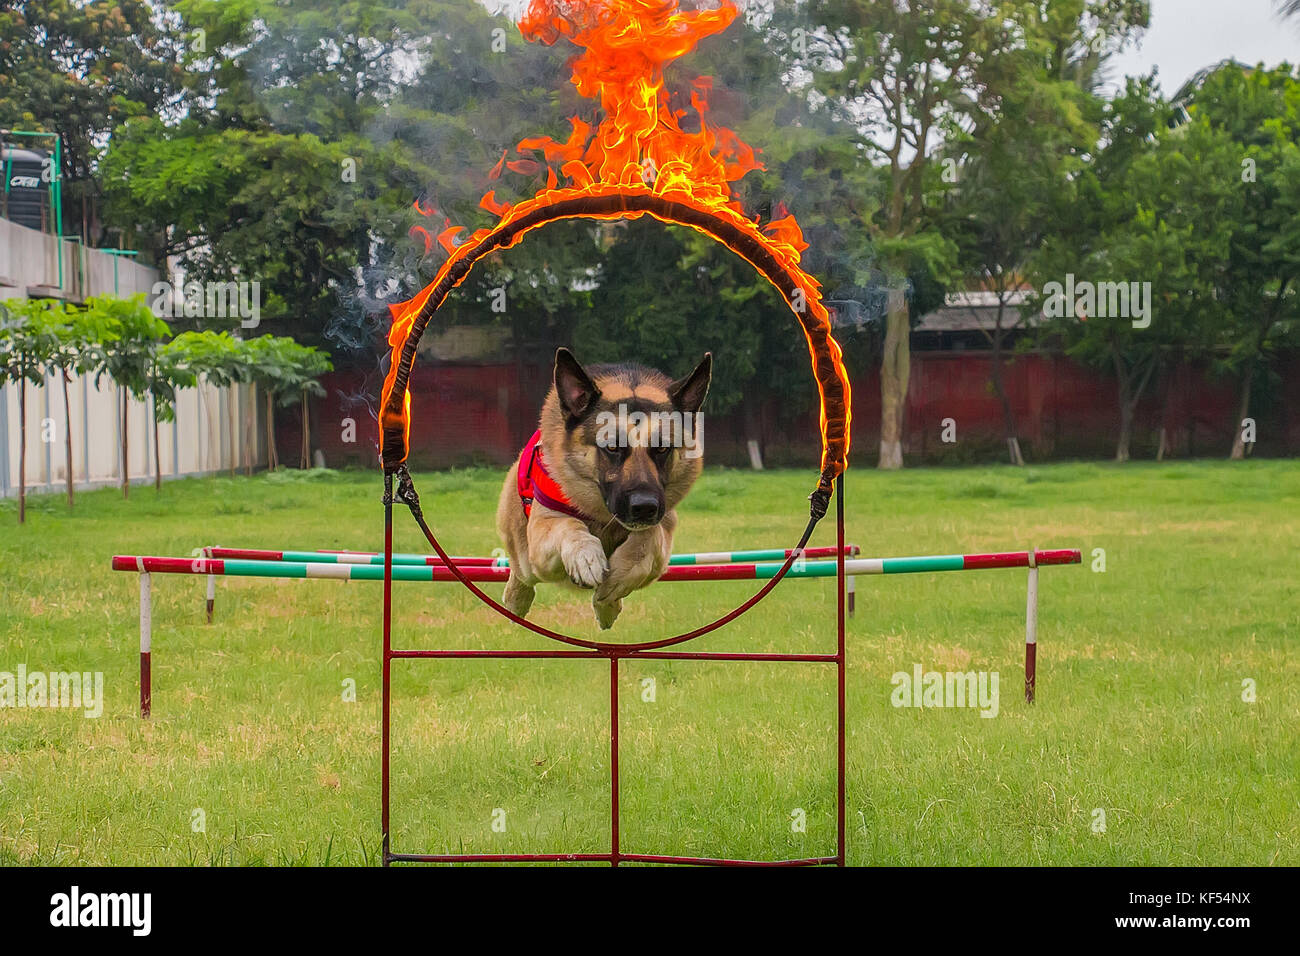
591	499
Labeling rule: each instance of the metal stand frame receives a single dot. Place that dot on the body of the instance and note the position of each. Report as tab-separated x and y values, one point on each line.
612	653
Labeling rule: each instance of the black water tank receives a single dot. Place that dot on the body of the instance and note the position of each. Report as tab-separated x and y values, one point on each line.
26	196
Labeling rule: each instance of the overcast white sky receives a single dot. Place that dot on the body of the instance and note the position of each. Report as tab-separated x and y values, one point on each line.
1186	35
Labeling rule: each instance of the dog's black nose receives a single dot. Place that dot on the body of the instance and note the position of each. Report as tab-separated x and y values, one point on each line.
643	508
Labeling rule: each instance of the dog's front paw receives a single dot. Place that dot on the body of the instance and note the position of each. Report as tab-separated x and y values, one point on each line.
606	613
585	563
615	587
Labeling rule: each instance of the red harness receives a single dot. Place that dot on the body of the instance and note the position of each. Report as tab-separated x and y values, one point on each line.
536	484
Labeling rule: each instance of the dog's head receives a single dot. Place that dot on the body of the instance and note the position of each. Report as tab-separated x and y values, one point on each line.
631	438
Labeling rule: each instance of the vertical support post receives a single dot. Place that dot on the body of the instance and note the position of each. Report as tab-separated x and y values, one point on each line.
613	761
839	667
852	592
388	652
1031	627
146	641
212	585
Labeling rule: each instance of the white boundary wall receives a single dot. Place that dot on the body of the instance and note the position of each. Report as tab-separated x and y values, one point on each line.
207	437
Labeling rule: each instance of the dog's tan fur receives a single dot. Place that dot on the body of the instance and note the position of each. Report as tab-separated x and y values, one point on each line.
600	554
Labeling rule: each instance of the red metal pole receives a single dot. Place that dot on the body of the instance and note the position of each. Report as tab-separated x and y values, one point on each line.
1031	627
613	759
212	588
839	666
146	644
388	651
1031	671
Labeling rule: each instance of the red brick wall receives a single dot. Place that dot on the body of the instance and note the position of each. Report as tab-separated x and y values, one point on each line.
466	414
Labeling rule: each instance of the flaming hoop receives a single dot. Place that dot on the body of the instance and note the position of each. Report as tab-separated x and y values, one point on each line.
638	161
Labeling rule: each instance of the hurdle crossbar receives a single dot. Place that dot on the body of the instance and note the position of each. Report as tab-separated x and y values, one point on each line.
280	567
371	557
240	567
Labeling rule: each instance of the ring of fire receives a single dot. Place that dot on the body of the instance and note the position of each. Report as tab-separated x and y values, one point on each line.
639	160
735	232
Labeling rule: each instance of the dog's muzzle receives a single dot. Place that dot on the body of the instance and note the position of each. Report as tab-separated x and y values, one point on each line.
640	510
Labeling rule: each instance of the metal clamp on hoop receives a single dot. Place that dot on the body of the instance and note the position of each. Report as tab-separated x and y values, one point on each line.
406	493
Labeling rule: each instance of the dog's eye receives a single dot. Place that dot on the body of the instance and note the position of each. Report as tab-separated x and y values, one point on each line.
661	452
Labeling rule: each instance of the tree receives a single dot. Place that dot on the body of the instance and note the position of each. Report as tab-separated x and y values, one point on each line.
305	367
169	369
284	370
281	171
80	334
910	75
80	69
1147	225
1018	155
132	337
1249	119
223	361
28	337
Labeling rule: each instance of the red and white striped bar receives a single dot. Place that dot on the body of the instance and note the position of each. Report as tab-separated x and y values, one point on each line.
370	557
242	567
278	567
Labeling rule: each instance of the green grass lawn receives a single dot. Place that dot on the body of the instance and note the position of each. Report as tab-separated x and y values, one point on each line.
1140	708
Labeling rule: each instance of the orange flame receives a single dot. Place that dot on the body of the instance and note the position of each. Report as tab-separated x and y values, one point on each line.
638	150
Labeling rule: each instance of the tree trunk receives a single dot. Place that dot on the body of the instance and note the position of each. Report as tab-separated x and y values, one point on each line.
232	394
22	445
1166	446
248	435
1243	409
67	433
895	367
1008	415
272	460
754	435
1125	431
126	463
157	449
1131	387
306	434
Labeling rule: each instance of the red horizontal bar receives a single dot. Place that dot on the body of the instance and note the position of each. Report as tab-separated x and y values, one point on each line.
710	572
501	857
248	554
1020	559
710	656
598	858
608	651
127	562
705	861
417	654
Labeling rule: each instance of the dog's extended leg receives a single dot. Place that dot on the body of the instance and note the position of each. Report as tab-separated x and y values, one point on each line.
518	596
607	612
561	545
635	563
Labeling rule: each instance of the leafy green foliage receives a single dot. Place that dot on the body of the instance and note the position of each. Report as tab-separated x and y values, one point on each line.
1204	211
80	68
29	338
283	368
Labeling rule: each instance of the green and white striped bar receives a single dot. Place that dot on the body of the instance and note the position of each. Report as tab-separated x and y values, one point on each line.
241	567
350	571
373	557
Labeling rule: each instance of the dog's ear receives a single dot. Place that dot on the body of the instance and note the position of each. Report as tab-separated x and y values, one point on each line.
688	393
573	386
